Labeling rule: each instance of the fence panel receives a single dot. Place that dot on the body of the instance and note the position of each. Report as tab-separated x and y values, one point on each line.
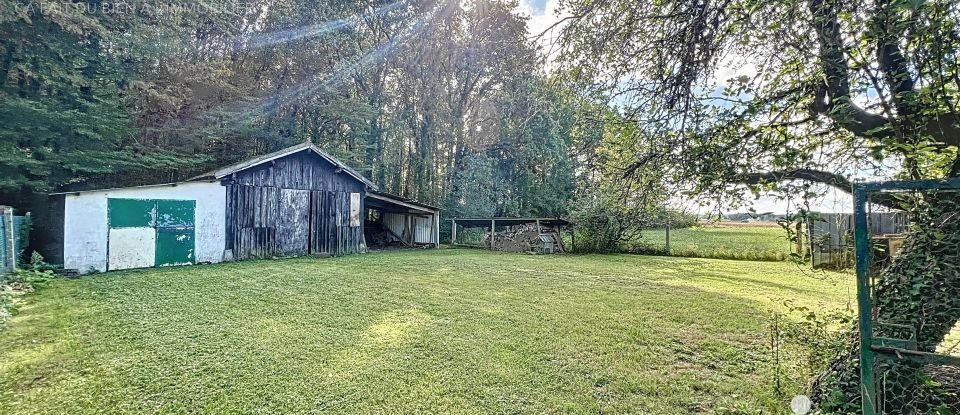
4	260
831	235
13	238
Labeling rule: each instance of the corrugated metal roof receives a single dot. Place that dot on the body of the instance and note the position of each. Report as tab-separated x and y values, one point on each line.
404	199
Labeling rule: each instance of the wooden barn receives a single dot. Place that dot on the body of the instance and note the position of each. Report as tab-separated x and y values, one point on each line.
296	201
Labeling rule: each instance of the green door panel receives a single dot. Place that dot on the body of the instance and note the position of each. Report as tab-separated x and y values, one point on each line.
130	213
175	246
172	220
175	213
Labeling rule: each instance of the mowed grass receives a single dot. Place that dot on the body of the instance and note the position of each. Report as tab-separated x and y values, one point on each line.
441	331
743	242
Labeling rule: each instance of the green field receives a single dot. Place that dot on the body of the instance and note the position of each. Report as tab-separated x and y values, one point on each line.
728	242
441	331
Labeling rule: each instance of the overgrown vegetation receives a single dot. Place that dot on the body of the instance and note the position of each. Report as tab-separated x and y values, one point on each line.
735	99
916	299
13	287
452	331
804	342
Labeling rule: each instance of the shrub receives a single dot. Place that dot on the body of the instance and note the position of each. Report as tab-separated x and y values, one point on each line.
14	286
804	343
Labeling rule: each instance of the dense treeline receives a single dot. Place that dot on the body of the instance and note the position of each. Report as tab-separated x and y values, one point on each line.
446	102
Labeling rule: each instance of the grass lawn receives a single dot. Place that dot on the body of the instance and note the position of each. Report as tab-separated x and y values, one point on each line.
443	331
750	242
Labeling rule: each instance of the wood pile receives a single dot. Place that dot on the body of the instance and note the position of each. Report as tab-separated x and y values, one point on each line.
522	238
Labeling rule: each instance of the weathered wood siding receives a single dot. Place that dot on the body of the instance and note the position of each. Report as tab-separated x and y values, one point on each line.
292	206
302	171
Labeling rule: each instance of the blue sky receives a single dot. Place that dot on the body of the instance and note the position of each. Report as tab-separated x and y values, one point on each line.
537	6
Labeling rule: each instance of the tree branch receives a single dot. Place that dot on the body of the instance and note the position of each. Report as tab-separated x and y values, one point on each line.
892	62
833	97
834	180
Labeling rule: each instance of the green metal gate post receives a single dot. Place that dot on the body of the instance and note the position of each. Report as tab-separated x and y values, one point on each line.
861	237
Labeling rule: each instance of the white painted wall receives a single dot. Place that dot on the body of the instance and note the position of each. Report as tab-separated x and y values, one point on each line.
424	227
86	229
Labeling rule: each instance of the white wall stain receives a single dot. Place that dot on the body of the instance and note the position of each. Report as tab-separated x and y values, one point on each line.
86	230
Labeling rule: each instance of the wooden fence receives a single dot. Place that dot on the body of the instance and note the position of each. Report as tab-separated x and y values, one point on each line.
831	235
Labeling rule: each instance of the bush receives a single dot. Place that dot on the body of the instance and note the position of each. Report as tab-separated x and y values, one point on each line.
602	226
805	342
14	286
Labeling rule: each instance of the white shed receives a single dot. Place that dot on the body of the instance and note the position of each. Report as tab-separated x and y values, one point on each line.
146	226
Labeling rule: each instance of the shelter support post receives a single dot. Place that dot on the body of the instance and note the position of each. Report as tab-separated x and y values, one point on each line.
668	233
411	232
453	231
493	229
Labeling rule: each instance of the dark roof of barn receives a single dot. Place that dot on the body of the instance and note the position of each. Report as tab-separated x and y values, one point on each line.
256	161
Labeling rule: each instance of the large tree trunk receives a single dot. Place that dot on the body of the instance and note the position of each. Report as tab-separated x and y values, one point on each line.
920	289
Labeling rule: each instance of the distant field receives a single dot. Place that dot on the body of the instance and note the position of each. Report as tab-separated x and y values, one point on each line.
725	241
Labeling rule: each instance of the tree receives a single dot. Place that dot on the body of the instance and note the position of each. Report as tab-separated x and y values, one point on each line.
826	89
615	197
405	91
59	106
479	189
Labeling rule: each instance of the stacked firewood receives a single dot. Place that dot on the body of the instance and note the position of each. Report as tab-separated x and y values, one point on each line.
520	238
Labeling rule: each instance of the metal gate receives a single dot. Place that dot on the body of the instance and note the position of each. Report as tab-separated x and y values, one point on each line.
889	347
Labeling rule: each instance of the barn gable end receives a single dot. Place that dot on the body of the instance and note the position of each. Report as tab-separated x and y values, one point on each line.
296	203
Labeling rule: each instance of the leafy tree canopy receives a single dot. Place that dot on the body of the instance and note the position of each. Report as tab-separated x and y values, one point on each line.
821	90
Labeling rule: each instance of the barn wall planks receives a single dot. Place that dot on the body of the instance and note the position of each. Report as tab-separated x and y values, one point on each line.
266	221
301	171
290	206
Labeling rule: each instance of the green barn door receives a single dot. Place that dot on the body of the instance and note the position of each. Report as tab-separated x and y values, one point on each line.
175	231
150	232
